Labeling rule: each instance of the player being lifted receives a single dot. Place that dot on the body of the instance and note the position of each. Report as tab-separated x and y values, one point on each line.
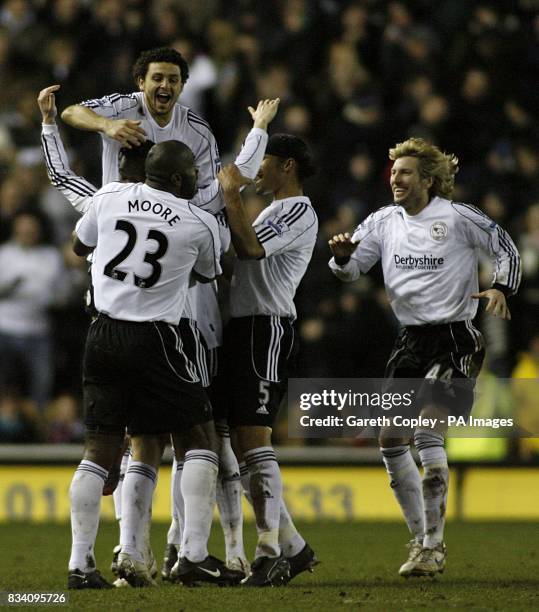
427	245
260	341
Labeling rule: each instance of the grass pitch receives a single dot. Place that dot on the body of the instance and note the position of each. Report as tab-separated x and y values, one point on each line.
491	566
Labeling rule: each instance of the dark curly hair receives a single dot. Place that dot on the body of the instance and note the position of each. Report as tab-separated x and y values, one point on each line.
161	54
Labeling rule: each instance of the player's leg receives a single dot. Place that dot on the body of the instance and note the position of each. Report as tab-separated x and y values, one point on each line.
296	550
105	422
450	380
174	534
404	477
262	348
229	495
229	492
136	561
199	480
85	494
115	482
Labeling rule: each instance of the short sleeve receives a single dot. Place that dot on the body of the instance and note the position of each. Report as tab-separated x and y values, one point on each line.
86	228
278	233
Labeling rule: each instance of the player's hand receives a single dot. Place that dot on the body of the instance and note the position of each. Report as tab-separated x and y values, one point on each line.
231	179
47	104
264	113
497	304
126	131
342	246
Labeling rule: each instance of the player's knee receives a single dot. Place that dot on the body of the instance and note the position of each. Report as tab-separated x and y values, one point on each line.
424	439
148	449
387	442
202	437
102	448
249	437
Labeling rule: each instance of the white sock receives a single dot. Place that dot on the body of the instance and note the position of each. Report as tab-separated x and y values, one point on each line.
229	496
198	488
407	487
290	539
85	494
174	535
266	488
430	447
139	485
244	478
117	495
178	515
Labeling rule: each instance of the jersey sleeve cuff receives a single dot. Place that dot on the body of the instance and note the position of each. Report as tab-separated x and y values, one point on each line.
335	266
49	128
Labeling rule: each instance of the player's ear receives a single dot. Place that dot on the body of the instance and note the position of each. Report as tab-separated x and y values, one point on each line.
141	84
176	179
288	165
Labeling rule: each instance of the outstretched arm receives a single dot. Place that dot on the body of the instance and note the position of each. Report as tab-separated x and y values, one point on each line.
126	131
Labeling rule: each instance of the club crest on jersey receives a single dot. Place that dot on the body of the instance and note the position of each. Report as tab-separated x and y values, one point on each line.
278	225
438	231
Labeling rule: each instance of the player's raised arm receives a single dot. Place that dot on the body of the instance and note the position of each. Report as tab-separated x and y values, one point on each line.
244	236
249	158
75	188
127	132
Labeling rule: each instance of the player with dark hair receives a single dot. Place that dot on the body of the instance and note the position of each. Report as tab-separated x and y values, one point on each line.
260	341
428	246
160	55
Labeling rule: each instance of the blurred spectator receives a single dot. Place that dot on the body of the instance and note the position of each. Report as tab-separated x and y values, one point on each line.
30	278
64	425
202	75
18	420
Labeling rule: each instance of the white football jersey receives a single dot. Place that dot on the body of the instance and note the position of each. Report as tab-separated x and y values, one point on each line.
201	304
430	260
147	243
185	126
287	231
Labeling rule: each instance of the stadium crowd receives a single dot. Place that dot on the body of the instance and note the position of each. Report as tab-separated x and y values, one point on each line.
353	78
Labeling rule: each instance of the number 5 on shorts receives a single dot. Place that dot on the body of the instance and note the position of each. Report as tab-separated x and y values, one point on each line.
263	389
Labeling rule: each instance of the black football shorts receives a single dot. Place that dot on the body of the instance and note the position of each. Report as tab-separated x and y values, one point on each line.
137	375
254	365
444	359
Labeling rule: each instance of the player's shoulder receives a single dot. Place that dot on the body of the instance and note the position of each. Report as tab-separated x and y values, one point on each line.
195	122
467	213
123	101
295	209
382	214
113	188
202	217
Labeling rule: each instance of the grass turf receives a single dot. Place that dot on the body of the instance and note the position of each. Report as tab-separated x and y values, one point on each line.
491	566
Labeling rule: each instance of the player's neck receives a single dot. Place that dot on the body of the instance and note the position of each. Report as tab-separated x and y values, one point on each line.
414	208
288	191
162	120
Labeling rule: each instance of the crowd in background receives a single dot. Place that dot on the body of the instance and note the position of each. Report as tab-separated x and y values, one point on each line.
353	78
